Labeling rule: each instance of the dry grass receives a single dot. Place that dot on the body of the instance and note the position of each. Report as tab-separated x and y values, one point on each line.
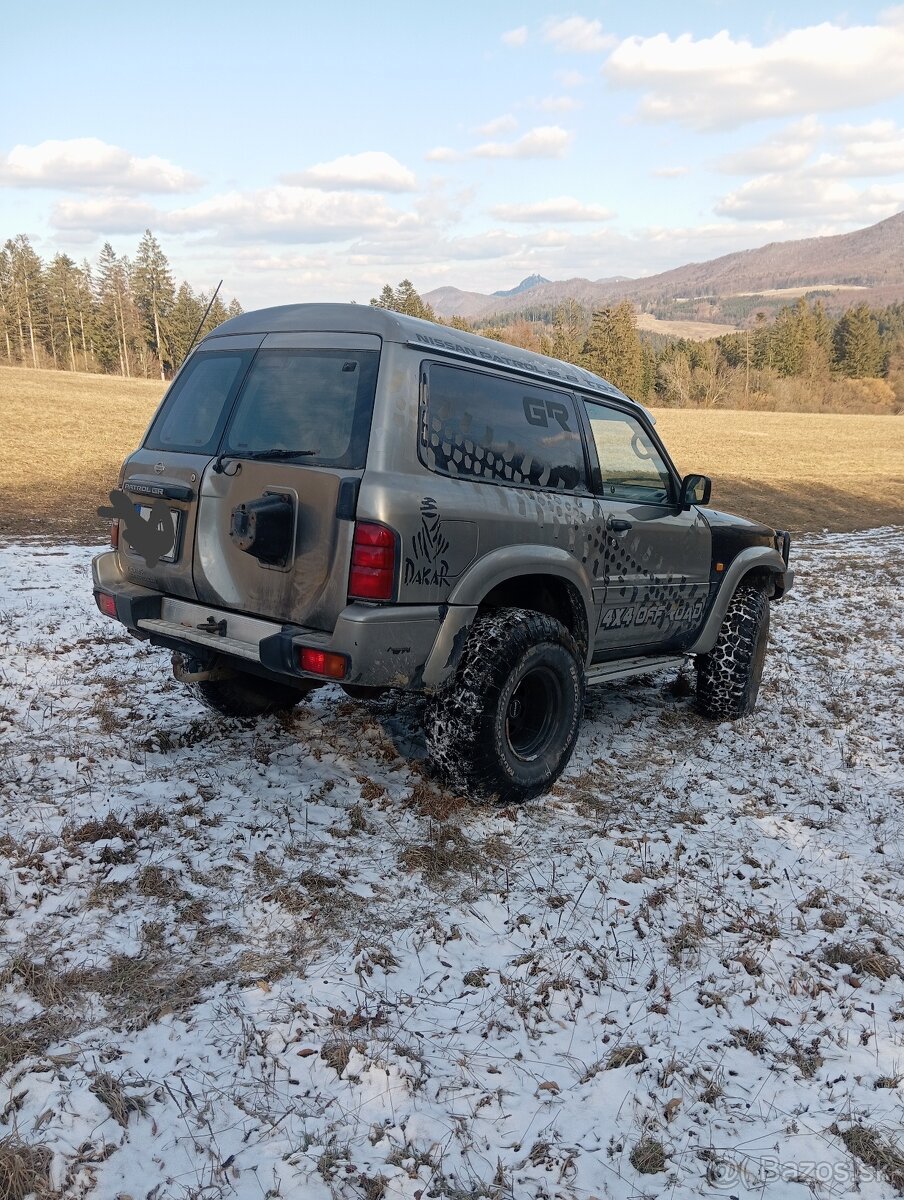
801	471
873	1149
65	436
24	1169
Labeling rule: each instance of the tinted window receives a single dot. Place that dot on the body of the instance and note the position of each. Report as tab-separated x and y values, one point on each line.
192	416
319	400
631	468
482	427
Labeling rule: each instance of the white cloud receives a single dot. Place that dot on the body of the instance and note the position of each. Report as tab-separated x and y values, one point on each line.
373	170
790	147
546	141
791	196
721	82
515	37
876	148
559	104
562	208
91	163
504	124
105	215
670	172
276	214
570	79
577	35
444	154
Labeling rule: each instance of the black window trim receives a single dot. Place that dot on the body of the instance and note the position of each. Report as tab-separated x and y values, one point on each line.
643	420
225	415
587	492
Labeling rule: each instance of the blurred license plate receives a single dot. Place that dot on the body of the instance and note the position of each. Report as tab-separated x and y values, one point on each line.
145	513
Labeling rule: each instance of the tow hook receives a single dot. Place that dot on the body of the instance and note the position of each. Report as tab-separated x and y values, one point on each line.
189	670
212	626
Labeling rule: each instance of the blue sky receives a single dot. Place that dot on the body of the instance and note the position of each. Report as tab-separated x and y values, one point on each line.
311	151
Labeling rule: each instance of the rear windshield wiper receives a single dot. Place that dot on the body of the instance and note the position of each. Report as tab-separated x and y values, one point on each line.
219	469
274	453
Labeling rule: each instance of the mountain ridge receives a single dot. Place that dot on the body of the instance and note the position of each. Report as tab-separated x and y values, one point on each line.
866	264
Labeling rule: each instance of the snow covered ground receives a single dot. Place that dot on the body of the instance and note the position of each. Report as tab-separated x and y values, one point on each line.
273	960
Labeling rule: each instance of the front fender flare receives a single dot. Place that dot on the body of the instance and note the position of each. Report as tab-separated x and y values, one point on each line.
755	558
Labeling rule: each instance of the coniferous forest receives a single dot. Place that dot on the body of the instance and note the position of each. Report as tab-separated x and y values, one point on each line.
129	317
119	316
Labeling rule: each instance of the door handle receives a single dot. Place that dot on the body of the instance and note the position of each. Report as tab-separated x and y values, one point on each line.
616	525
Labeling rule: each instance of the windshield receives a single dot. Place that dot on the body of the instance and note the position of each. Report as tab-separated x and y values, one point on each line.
306	400
316	404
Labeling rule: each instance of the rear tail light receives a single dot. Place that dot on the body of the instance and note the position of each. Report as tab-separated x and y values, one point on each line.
373	569
107	604
114	533
322	662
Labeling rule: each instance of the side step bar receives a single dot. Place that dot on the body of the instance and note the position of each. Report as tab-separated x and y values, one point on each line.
624	668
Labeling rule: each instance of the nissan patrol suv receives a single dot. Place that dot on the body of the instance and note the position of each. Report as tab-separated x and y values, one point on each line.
338	493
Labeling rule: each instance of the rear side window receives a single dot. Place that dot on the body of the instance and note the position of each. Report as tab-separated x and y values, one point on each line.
193	414
478	426
314	400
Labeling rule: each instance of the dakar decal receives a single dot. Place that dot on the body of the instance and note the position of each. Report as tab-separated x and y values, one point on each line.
675	612
426	564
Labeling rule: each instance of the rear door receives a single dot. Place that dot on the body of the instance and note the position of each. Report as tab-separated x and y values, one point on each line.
655	571
307	397
162	479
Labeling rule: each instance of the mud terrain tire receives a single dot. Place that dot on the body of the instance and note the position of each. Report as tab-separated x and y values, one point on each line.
728	677
506	726
244	695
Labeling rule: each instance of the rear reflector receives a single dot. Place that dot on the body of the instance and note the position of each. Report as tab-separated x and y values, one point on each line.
322	662
373	569
106	604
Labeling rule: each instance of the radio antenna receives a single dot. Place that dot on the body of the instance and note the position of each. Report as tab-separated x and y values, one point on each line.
201	322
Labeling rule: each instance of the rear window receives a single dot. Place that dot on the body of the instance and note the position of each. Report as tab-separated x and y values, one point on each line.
319	400
314	400
498	430
194	412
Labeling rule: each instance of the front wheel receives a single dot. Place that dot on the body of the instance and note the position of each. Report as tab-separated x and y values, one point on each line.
506	726
728	677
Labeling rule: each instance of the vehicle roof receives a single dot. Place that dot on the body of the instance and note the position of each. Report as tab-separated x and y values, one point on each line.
412	331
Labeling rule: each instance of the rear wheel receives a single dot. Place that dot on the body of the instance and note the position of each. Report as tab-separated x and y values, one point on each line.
728	677
244	695
506	726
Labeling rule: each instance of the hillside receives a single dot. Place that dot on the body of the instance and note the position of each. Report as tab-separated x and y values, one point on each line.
867	264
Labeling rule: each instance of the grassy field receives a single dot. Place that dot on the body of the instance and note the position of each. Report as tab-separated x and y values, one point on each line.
65	436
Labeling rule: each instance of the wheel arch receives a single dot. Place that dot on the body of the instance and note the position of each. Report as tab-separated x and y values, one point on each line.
757	565
540	578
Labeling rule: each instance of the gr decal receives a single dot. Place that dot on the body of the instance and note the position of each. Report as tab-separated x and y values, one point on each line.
427	565
541	412
675	612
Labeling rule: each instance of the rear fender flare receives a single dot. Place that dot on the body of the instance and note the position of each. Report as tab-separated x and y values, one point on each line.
499	566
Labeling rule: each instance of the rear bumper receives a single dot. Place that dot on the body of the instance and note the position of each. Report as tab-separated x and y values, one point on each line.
414	647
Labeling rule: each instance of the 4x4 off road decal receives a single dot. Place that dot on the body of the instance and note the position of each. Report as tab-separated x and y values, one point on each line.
673	612
426	564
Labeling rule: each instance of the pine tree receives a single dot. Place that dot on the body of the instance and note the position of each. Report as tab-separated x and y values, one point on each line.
858	346
404	300
613	348
28	296
155	296
569	329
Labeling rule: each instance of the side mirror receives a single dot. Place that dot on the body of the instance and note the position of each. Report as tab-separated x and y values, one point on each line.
695	489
